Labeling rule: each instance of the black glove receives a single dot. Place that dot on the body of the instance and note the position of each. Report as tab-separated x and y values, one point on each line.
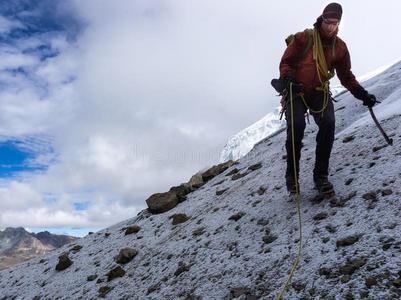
360	93
296	87
369	100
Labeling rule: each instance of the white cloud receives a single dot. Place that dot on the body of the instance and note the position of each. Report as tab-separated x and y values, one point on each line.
7	25
160	86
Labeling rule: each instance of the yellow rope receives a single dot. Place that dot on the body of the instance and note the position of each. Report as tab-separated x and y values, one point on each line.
296	262
322	72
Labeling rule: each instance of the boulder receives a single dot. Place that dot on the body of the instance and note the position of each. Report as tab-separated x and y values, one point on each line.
63	262
196	181
179	218
181	191
216	170
132	229
114	273
162	202
125	255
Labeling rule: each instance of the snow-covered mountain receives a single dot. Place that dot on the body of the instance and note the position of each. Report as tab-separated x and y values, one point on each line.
236	236
241	143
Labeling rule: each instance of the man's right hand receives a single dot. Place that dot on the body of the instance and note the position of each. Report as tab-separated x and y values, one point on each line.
290	82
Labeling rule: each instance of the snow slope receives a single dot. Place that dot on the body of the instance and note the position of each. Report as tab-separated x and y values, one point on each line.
241	243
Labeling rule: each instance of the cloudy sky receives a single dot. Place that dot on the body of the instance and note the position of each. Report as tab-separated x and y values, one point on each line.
103	103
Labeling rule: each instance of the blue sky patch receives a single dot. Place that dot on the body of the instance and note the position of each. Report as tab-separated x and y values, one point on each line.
14	158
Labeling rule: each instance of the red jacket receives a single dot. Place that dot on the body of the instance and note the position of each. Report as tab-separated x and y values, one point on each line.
304	71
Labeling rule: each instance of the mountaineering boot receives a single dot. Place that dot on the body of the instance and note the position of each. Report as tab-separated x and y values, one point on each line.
324	186
291	184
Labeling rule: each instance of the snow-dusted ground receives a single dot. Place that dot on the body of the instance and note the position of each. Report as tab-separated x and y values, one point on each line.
248	258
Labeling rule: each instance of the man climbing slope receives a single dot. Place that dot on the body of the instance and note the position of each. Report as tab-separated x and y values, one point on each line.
306	67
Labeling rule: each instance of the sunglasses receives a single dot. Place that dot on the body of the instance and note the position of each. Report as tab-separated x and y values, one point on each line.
331	22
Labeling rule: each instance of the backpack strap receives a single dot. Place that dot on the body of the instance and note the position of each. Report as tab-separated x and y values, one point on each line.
301	55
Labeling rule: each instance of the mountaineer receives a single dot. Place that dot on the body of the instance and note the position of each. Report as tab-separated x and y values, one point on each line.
306	67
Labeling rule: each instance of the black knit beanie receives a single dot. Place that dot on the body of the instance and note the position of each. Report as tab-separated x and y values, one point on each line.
333	10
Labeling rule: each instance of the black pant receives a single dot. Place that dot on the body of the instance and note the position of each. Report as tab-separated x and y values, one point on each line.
324	138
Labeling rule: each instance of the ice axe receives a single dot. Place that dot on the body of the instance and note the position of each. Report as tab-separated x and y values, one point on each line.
388	140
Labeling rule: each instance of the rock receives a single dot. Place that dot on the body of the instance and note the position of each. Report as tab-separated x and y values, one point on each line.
220	192
261	190
91	277
132	229
255	166
369	196
104	290
345	278
115	272
351	266
348	182
238	175
162	202
182	267
350	196
370	281
397	282
179	218
348	139
232	172
198	231
237	216
107	234
196	181
125	255
269	238
377	148
63	262
298	286
387	192
262	222
320	216
76	248
241	293
330	228
216	170
347	241
181	191
155	287
219	182
364	294
325	271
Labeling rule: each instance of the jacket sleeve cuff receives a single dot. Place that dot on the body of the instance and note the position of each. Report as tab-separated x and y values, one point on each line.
360	93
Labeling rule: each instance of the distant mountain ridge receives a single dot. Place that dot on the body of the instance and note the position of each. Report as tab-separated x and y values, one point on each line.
17	245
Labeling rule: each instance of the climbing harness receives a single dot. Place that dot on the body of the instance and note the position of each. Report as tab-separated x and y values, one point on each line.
297	196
